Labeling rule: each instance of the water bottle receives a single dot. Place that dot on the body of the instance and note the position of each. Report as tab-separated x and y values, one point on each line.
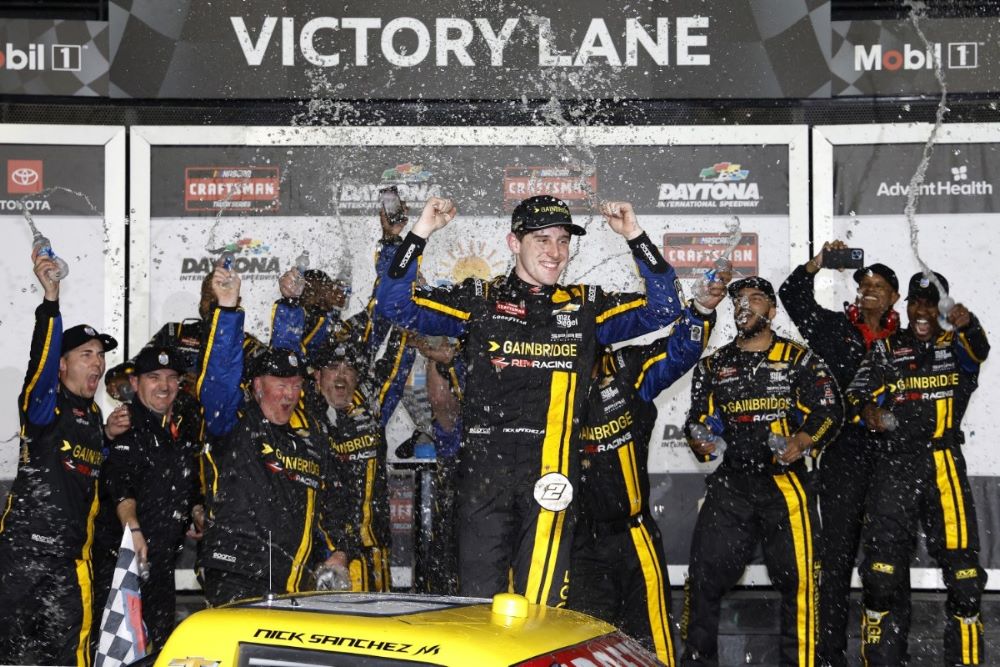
43	246
332	578
889	421
302	262
701	285
702	432
945	304
226	261
778	443
144	570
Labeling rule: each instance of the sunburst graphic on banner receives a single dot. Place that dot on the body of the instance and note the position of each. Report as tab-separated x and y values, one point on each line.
471	259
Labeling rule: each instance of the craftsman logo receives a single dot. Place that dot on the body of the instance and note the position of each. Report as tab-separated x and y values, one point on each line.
24	176
513	309
692	255
722	185
960	55
231	188
576	187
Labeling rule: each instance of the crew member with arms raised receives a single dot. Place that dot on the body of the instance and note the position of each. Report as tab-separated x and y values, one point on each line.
914	387
47	521
528	342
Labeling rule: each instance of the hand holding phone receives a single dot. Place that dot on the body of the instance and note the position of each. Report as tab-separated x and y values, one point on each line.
843	258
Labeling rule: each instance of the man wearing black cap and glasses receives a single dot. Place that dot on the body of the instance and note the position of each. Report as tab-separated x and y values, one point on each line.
268	459
529	344
47	521
914	387
847	468
774	402
149	485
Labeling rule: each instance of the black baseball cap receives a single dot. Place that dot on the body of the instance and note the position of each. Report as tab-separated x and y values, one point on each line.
123	369
922	288
755	282
158	358
348	351
275	361
543	211
878	270
76	336
317	277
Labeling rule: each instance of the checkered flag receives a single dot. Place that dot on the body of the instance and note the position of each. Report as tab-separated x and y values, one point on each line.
123	634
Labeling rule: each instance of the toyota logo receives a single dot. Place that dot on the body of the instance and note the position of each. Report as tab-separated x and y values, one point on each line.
24	176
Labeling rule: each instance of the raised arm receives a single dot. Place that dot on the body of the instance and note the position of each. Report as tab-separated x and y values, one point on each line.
221	366
37	403
663	362
626	315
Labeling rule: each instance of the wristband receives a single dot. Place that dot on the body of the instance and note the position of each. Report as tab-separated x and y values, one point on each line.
136	530
406	254
644	250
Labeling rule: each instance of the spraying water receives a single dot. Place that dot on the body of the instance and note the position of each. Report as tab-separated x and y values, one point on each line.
43	246
946	303
722	263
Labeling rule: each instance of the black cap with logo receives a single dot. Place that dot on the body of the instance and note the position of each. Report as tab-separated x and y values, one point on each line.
275	361
755	282
348	351
158	358
543	211
76	336
877	269
921	287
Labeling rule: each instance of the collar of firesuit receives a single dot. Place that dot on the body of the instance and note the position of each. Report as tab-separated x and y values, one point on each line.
890	322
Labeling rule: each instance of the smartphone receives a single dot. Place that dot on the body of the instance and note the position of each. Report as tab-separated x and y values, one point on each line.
392	205
844	258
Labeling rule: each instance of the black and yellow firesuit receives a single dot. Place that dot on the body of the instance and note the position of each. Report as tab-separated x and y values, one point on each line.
526	347
618	558
47	524
263	500
845	471
751	498
926	385
356	496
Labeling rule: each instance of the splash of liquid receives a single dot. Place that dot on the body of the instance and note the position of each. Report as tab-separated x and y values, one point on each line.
918	10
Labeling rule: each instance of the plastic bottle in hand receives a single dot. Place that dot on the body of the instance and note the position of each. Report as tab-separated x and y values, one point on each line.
332	578
889	421
945	304
701	285
302	262
43	246
226	261
702	432
778	443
